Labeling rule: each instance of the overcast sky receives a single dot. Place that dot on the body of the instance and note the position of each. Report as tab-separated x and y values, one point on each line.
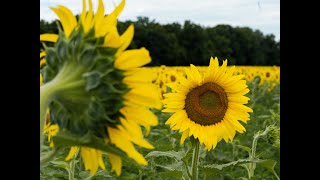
263	15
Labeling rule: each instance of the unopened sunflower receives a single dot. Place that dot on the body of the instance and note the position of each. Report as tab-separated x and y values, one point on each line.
97	93
210	106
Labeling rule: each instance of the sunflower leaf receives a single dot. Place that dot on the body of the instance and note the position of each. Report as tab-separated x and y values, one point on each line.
269	164
213	169
170	174
172	154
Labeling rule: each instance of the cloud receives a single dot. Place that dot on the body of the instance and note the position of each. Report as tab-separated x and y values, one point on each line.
256	14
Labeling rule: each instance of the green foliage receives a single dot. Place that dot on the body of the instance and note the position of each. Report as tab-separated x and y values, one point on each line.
181	45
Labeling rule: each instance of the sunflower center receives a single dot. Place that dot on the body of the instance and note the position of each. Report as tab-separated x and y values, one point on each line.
206	104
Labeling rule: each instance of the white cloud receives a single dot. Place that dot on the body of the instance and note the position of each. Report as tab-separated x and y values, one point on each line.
257	14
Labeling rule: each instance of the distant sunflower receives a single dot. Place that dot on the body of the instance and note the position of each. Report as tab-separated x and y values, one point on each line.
208	107
117	94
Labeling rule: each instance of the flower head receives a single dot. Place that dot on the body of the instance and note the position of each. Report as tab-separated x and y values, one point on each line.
99	96
208	107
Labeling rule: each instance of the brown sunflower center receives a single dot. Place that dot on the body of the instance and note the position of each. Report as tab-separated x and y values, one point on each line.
206	104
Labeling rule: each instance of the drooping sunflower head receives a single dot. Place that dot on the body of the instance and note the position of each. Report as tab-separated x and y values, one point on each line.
99	95
208	107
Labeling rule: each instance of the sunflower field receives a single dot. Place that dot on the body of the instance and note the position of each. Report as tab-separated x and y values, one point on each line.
166	161
103	115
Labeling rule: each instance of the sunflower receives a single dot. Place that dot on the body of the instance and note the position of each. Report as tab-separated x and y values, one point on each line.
95	88
208	107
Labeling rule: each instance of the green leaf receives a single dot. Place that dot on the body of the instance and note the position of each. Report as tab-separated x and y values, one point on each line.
188	155
244	148
61	164
269	164
169	175
172	154
172	167
218	168
102	173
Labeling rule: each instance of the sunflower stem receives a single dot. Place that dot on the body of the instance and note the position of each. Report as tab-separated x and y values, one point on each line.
195	160
46	94
72	165
187	168
252	166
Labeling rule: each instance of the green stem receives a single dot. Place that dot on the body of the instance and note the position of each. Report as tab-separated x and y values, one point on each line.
275	174
72	165
52	88
50	156
187	168
46	93
252	166
195	160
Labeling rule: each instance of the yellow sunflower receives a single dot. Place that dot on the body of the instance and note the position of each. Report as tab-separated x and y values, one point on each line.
208	107
104	93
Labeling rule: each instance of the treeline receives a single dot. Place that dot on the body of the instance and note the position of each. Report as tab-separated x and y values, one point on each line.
181	45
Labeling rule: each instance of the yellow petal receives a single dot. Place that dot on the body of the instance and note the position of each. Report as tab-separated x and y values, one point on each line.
119	8
135	134
126	39
107	22
238	99
176	116
232	80
242	116
202	135
85	155
98	19
100	160
49	37
132	59
221	72
88	22
42	62
209	72
185	125
193	75
143	95
141	115
72	152
42	54
184	136
71	19
120	140
112	39
116	163
84	12
41	80
140	75
239	107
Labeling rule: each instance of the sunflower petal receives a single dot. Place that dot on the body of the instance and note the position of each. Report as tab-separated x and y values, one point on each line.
116	163
49	37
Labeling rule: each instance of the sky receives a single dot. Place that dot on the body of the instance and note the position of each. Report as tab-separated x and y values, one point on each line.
263	15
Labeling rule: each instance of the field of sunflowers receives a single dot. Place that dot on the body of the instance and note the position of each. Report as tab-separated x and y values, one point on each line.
103	115
166	161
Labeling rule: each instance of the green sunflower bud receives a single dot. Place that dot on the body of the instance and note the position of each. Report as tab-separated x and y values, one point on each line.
273	135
